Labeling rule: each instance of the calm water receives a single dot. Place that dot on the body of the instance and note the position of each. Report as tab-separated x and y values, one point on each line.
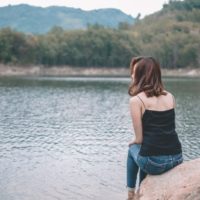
66	138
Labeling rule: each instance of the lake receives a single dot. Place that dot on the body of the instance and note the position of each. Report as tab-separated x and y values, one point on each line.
67	138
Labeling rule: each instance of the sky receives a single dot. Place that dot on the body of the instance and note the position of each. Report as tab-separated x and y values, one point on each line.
131	7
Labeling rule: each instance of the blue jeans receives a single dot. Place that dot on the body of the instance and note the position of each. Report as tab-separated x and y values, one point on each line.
143	165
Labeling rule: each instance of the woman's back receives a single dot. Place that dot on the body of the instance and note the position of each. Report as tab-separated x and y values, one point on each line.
160	103
158	124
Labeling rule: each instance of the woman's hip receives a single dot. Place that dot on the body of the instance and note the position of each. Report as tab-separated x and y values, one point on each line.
156	165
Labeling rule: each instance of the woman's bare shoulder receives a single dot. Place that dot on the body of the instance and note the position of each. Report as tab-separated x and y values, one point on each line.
139	95
142	95
134	100
168	93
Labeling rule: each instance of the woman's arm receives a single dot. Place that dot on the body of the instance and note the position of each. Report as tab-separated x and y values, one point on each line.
136	115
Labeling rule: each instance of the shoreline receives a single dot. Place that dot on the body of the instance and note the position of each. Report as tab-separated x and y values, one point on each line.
9	71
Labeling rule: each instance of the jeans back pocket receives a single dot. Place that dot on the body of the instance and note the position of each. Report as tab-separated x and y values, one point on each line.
155	166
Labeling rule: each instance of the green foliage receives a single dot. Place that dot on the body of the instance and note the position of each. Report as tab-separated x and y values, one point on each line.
92	47
16	47
171	35
187	5
124	26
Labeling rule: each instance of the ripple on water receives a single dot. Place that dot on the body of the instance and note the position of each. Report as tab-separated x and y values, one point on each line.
66	138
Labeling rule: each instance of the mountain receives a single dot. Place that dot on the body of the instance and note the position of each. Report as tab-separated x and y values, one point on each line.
31	19
172	34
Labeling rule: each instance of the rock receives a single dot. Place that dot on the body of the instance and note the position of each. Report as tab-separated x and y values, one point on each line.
180	183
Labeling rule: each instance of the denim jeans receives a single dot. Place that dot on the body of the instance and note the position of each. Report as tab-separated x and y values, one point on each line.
143	165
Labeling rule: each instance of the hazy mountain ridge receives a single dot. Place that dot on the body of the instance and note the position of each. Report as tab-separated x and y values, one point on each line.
34	19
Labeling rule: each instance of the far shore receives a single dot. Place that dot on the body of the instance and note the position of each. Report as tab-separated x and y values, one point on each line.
8	70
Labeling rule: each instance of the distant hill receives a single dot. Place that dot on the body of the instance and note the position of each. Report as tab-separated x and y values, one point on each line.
33	19
172	34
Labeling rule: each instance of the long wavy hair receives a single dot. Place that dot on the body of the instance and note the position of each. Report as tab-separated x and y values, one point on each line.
147	77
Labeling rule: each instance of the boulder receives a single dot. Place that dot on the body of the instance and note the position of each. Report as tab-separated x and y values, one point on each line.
179	183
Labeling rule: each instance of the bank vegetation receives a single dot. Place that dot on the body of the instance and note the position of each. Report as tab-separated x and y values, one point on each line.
171	35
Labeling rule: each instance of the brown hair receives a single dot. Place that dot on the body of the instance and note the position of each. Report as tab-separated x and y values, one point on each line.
147	77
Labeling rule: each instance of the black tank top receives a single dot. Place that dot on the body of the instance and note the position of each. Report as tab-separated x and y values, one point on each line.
159	135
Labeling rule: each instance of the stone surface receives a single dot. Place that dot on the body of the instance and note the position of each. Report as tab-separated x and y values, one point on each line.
180	183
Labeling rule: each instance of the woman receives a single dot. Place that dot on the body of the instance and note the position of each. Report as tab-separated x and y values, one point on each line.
156	147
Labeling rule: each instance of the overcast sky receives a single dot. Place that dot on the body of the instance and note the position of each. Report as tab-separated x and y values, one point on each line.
132	7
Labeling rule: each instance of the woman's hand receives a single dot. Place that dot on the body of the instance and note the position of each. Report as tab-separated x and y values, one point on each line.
134	141
131	142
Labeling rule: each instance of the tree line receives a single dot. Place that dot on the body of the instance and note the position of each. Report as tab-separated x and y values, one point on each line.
94	47
169	36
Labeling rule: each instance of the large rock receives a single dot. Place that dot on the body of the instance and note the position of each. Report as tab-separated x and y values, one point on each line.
180	183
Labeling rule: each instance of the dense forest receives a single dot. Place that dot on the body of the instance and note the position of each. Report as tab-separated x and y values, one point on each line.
92	47
172	35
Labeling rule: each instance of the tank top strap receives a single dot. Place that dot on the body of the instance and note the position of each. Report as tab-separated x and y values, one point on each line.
141	101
